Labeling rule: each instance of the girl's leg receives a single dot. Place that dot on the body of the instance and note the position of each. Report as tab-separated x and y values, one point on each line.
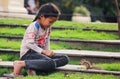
60	60
18	65
39	64
32	55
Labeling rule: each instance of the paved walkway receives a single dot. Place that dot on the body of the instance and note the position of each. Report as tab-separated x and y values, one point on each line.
16	15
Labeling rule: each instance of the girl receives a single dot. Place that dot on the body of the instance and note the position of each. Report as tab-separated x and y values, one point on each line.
35	53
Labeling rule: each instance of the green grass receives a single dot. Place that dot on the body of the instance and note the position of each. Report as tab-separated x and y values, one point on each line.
63	75
110	66
83	35
69	34
12	44
12	31
4	43
5	70
114	66
107	26
8	57
71	75
14	21
9	44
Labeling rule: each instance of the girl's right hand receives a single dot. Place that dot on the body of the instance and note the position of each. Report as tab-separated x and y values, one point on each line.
48	53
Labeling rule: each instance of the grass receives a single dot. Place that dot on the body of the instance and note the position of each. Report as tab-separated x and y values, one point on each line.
9	44
62	75
115	66
4	43
110	66
8	57
83	35
12	31
69	34
12	44
14	21
4	70
107	26
71	75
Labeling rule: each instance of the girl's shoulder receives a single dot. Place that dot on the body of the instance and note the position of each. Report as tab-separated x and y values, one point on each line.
34	25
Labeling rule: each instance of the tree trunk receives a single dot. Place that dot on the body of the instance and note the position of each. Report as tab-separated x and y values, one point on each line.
118	16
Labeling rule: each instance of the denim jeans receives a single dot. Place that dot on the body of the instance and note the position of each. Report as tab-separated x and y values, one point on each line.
36	61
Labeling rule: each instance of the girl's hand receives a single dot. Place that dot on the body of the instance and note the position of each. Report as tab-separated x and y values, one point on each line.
48	53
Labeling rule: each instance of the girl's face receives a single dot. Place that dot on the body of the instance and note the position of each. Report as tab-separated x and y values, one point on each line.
47	22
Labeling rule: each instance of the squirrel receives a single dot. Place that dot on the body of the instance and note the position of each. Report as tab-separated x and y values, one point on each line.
89	65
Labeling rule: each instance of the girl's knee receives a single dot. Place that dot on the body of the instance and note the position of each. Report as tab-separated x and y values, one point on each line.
66	58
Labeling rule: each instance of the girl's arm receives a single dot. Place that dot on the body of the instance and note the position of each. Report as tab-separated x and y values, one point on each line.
47	45
29	38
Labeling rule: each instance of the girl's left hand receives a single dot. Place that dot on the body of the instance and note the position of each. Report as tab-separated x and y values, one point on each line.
48	53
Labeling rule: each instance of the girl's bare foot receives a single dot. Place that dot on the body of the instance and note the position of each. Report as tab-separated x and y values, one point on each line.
18	65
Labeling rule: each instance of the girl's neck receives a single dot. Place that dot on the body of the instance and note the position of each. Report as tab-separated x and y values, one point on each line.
41	25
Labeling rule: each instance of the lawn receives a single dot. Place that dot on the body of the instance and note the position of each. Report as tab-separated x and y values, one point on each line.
71	75
106	26
114	66
65	75
69	34
15	44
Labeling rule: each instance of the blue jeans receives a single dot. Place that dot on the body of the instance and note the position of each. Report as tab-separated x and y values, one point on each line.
36	61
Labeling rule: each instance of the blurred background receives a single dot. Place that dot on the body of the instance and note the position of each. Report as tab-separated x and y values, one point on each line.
87	10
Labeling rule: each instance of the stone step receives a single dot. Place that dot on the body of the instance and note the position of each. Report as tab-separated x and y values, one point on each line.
76	53
69	67
89	53
93	56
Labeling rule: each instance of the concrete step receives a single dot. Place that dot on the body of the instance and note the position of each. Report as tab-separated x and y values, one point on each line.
98	44
3	78
89	53
93	56
68	67
76	53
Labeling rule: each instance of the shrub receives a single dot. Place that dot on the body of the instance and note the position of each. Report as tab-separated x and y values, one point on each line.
82	10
